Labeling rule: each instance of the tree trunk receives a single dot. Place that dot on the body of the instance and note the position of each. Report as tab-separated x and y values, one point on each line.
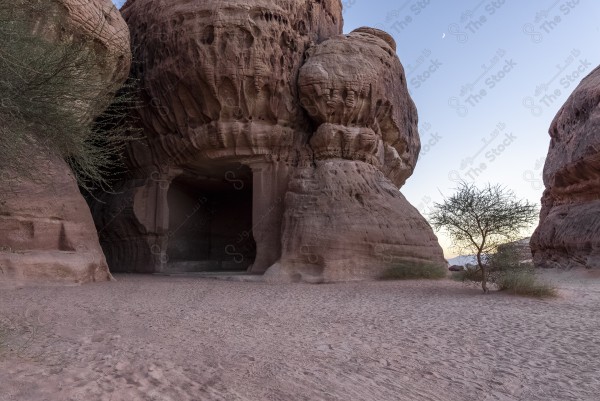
484	280
483	274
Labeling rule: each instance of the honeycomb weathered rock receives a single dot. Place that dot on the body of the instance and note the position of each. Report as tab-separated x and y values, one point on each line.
568	234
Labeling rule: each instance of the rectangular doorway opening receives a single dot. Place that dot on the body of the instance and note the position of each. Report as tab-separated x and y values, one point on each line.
210	220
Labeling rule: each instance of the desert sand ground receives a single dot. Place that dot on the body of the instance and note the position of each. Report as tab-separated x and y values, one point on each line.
181	338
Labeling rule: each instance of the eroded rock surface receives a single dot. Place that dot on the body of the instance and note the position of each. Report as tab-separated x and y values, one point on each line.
344	216
355	87
273	142
220	76
568	234
344	220
47	233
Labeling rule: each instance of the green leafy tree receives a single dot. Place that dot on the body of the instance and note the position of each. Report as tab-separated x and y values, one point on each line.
478	220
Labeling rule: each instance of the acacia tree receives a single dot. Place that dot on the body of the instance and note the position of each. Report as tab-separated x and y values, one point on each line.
479	220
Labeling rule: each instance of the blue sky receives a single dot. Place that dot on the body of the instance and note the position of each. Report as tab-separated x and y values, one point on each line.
487	77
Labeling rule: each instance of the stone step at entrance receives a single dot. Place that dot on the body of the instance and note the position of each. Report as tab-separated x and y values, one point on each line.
243	276
195	266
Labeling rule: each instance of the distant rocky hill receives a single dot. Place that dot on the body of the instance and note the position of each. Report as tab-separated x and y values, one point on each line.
462	260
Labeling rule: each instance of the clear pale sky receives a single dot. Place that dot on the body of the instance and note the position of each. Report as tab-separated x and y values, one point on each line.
487	77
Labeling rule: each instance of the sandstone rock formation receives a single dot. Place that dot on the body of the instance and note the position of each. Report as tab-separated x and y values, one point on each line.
272	142
344	217
354	87
568	234
47	233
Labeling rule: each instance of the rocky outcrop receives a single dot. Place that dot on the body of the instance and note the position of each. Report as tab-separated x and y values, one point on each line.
355	87
344	220
344	216
47	233
272	142
568	234
220	76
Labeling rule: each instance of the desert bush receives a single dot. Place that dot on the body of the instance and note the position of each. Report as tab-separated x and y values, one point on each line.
469	275
524	281
50	96
413	271
505	257
510	274
506	273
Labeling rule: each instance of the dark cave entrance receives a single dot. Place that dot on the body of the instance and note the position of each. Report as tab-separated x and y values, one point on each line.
210	220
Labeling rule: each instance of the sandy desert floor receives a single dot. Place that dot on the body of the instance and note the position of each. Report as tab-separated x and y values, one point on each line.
179	338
